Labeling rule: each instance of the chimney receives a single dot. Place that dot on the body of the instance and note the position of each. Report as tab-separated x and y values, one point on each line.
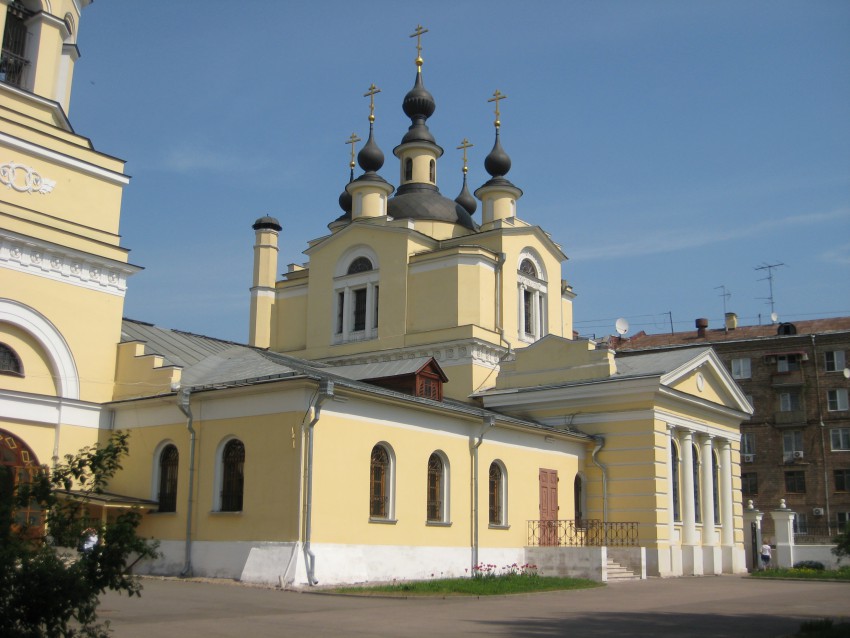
731	321
702	324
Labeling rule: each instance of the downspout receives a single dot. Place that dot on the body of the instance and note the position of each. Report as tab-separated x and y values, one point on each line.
183	403
599	444
473	448
500	262
325	391
822	441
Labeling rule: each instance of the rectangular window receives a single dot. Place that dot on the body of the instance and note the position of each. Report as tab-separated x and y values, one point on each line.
787	362
749	483
801	524
836	400
792	445
528	312
795	482
833	361
840	439
790	401
842	480
359	316
741	368
340	312
748	443
842	519
375	309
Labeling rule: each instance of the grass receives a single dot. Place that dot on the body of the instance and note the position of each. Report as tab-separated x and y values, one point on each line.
486	582
807	574
824	628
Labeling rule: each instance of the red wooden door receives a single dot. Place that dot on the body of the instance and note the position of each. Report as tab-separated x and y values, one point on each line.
548	507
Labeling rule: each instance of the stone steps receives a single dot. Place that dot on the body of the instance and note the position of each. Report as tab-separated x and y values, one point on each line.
617	572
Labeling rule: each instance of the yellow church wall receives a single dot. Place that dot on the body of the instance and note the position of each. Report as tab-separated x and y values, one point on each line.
38	377
433	298
289	317
139	374
712	389
30	117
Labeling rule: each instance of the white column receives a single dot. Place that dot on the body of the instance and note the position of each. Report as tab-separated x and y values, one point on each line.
687	496
727	519
707	475
670	499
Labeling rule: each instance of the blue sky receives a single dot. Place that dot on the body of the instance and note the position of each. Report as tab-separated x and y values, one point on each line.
670	147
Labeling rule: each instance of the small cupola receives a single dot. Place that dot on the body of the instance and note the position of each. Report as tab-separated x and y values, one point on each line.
369	192
465	198
498	195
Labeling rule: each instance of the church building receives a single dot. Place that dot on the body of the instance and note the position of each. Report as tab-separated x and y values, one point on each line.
412	399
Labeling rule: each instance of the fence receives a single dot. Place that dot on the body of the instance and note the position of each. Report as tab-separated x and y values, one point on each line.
582	533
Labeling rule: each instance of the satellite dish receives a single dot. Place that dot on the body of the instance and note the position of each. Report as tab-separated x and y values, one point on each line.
847	373
774	317
621	326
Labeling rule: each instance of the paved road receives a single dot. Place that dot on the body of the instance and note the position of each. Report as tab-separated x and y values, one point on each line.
714	606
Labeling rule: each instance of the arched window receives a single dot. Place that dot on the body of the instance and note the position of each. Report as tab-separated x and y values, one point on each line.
232	476
531	293
578	500
380	483
432	172
356	299
437	498
14	61
697	500
408	169
497	497
18	464
10	362
167	493
674	469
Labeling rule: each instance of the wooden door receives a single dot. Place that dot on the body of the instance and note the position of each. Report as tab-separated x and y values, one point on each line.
548	507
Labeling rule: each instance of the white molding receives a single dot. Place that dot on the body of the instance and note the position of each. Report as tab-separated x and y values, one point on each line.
679	422
33	182
48	336
45	410
460	352
66	265
65	160
443	261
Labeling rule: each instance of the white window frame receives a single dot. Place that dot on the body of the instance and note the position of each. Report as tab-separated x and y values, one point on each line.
748	443
792	441
834	361
218	476
389	486
741	368
787	362
345	287
503	522
786	404
836	400
538	289
841	437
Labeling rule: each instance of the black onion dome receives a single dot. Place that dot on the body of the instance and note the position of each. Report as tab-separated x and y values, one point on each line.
370	157
423	201
418	105
267	222
345	202
497	162
466	200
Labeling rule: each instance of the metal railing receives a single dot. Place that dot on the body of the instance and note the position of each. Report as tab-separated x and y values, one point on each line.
816	535
582	533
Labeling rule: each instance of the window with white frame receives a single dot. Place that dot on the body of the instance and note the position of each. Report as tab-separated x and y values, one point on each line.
790	401
801	523
836	400
787	362
748	443
792	444
842	518
532	292
356	297
834	361
840	438
381	483
741	368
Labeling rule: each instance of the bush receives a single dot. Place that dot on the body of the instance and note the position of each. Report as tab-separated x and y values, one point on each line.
842	545
810	564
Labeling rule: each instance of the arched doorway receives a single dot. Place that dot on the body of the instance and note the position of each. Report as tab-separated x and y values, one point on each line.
18	464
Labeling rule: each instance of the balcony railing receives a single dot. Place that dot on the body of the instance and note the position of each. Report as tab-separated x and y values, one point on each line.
790	417
582	533
817	534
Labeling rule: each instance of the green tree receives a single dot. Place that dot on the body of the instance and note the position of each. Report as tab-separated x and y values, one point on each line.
47	591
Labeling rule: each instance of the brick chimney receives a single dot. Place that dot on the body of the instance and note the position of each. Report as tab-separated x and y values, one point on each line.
702	324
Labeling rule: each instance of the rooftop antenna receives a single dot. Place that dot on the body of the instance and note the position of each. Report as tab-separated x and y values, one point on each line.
769	268
621	326
726	295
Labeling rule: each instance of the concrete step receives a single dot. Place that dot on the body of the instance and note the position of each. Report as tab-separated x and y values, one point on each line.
618	572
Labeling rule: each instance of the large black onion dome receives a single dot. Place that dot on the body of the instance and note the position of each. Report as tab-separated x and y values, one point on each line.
370	157
466	200
424	201
418	101
497	162
267	222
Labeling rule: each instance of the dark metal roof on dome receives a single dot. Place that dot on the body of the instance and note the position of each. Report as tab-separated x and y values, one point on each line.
424	202
267	222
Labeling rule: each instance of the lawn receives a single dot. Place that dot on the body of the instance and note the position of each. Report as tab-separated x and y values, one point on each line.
478	586
807	574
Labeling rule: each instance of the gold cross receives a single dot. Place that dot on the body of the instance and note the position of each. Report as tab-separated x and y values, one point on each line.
496	97
373	90
352	140
465	145
418	35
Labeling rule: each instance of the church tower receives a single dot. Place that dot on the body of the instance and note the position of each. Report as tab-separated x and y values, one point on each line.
413	274
63	270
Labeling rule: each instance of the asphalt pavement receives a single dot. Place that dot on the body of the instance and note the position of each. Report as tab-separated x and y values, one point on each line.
710	606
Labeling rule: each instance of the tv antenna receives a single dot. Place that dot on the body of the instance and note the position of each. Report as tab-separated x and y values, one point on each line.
769	268
726	295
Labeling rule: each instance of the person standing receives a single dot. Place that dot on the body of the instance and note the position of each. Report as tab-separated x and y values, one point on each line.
765	555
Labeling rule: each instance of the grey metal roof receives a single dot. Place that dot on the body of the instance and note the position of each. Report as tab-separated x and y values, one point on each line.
178	348
380	369
655	363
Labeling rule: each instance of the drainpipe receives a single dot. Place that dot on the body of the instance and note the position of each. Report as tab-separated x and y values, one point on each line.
183	403
325	391
600	443
500	262
473	448
822	441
